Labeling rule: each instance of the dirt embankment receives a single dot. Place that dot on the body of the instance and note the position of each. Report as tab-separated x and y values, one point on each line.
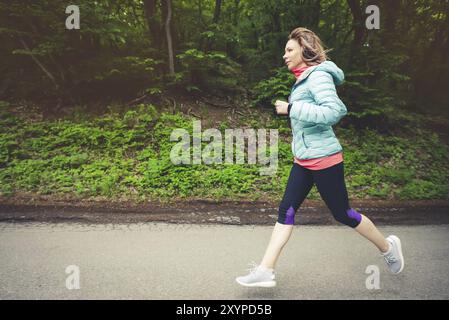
311	212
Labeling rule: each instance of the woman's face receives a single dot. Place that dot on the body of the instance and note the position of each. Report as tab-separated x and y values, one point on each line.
292	56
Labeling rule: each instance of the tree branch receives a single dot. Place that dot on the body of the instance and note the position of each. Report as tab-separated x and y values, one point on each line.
48	73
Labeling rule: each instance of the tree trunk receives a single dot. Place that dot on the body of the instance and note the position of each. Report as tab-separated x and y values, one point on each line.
315	9
217	11
200	12
236	11
149	7
358	26
308	14
389	13
436	55
357	21
167	7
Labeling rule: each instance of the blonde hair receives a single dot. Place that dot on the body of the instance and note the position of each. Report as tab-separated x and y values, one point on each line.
312	48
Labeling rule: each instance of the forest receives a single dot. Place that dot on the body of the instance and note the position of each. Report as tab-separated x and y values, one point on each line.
90	92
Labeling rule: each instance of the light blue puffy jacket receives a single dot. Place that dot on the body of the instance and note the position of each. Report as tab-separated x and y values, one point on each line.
315	108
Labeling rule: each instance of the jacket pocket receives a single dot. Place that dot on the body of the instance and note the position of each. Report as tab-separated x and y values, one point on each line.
304	140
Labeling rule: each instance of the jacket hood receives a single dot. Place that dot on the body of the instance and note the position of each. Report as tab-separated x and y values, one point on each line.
331	68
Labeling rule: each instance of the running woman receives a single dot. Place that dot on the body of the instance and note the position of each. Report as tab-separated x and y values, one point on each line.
313	108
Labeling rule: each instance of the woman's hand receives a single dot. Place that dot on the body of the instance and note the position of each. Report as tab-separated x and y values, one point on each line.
281	107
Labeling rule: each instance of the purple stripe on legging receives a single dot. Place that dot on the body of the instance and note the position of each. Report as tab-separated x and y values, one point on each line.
354	214
290	216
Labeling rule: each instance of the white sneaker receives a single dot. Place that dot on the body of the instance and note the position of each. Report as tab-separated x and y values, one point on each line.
258	277
394	257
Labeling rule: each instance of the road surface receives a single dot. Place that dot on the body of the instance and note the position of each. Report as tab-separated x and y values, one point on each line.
191	261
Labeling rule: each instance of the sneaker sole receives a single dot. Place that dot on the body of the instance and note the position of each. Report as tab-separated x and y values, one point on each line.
264	284
398	242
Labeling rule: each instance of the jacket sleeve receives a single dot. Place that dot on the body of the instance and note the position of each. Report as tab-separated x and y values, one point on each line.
328	109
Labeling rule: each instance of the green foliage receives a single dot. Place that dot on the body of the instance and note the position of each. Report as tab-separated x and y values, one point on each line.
119	52
209	72
106	55
368	91
393	167
129	156
132	72
116	55
277	87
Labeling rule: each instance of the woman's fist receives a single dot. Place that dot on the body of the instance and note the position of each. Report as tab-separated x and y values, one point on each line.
281	107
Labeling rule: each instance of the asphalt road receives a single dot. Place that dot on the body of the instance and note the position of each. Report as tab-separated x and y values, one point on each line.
187	261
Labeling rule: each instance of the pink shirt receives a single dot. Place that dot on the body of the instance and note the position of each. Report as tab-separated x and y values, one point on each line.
321	163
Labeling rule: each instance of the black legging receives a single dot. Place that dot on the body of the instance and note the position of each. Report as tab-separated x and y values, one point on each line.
331	186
